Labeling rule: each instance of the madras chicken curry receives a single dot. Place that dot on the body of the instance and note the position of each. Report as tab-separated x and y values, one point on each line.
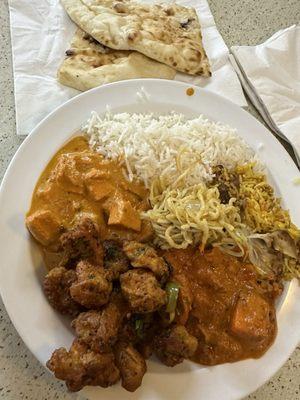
129	299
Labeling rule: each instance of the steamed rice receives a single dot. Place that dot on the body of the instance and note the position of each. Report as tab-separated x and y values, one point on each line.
170	146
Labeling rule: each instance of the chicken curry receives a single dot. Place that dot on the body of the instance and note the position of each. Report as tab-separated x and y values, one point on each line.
79	182
127	298
224	305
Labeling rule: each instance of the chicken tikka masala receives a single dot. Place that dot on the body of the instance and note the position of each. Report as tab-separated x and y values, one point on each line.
127	298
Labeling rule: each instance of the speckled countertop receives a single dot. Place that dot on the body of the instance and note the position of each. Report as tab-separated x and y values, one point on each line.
246	22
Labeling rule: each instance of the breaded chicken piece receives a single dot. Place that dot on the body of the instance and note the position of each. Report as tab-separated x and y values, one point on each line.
142	255
82	243
174	344
92	289
57	285
99	329
131	364
81	366
115	260
142	291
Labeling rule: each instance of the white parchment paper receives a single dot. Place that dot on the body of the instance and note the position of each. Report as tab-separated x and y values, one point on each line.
41	32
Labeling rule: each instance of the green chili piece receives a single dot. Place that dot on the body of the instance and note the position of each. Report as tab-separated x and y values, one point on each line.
172	289
139	324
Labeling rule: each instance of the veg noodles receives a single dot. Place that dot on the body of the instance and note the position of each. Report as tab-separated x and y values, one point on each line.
191	215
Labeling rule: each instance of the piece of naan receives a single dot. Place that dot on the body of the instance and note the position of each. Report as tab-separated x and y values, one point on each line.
167	33
89	64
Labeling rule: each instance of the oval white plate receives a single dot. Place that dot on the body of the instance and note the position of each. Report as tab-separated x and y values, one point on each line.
22	270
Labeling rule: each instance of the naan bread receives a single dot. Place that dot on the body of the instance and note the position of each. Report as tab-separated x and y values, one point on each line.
166	33
89	64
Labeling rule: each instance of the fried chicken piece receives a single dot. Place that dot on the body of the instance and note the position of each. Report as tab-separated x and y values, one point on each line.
82	243
92	289
109	324
128	331
174	344
142	255
145	349
86	327
146	327
142	291
99	329
131	364
139	330
81	366
115	260
57	285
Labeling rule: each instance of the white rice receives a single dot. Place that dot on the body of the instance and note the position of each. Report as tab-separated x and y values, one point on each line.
151	144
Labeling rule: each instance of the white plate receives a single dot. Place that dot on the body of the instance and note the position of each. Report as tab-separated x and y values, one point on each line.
22	270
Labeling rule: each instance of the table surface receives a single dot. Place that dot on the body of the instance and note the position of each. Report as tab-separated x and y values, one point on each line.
241	22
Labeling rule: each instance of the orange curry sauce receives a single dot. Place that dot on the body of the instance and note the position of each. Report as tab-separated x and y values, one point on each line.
223	304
